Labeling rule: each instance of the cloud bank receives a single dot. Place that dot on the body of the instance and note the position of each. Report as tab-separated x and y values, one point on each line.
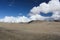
11	19
52	6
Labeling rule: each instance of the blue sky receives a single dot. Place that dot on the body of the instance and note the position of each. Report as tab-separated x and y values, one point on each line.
19	7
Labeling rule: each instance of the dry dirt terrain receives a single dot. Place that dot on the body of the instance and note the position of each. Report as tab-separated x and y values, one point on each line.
32	31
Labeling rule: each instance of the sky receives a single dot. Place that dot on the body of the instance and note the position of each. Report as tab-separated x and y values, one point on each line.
19	7
16	11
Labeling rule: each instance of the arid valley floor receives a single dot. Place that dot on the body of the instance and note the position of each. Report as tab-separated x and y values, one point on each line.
32	31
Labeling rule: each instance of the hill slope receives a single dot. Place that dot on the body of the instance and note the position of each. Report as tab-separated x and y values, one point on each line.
32	31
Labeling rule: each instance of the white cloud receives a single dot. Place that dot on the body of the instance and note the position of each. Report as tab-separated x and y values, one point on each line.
51	6
20	19
7	19
35	10
54	5
11	19
56	15
44	7
37	17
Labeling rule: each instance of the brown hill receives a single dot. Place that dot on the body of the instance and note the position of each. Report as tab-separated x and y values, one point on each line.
38	30
39	21
36	21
